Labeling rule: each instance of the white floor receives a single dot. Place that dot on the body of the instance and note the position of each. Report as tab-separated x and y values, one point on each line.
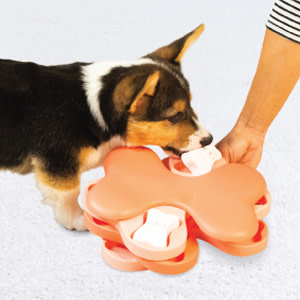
41	260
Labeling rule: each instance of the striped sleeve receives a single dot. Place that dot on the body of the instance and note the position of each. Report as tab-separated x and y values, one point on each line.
285	19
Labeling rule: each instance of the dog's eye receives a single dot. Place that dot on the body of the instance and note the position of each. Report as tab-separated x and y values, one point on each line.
176	118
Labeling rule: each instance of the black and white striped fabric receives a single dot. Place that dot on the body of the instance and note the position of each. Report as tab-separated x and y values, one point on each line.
285	19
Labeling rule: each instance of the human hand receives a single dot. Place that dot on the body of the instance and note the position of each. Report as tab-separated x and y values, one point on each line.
241	146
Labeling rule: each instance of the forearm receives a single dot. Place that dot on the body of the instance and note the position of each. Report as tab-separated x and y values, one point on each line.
277	73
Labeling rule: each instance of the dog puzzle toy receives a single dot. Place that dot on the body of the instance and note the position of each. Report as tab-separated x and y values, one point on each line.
151	212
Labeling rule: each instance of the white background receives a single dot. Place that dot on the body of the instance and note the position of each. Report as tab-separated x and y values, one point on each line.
41	260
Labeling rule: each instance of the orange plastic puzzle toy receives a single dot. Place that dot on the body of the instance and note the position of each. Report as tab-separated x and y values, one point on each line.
150	212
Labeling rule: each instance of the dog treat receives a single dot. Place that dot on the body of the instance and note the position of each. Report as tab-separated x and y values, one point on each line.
200	161
157	228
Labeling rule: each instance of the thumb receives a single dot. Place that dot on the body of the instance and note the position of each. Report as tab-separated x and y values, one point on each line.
222	146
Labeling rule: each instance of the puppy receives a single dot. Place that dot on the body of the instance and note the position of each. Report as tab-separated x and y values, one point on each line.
59	121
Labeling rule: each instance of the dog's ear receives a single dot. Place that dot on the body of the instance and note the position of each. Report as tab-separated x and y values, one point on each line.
134	92
141	101
174	52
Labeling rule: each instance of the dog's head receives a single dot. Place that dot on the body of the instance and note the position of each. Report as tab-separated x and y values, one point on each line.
147	101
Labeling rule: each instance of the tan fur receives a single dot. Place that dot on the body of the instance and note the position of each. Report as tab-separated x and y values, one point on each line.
90	158
161	133
192	38
58	183
148	89
178	106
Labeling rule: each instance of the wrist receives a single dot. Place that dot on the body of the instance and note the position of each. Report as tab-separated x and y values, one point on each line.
251	127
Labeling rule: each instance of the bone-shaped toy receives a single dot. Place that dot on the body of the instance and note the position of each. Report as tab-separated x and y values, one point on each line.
220	202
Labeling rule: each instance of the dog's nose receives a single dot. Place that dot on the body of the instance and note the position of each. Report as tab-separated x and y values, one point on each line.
206	140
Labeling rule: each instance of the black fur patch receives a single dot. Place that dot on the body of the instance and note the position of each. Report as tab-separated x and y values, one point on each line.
44	114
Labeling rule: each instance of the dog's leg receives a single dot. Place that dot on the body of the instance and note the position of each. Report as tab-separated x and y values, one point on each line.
62	194
67	211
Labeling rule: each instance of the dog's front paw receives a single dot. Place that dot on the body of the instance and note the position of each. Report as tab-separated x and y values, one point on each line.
79	224
71	221
67	211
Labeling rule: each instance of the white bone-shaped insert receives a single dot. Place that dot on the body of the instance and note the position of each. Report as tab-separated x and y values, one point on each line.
156	229
200	161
